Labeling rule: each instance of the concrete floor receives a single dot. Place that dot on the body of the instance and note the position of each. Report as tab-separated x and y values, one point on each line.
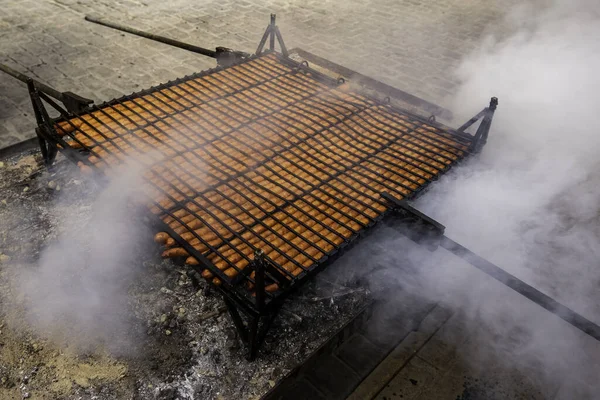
457	355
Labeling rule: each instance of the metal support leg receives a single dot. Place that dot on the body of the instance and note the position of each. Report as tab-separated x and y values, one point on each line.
259	279
272	38
42	118
272	32
237	320
484	128
43	146
254	331
253	342
480	137
263	40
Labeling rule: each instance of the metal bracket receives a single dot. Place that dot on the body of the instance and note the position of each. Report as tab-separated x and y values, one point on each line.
43	120
253	332
75	103
419	227
480	138
272	32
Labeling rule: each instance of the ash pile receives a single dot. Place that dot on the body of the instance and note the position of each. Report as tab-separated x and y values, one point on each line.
149	330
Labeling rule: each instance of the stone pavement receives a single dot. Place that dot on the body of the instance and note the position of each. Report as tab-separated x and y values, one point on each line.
513	349
410	44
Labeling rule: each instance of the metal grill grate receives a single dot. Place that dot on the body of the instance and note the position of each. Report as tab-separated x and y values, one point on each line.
265	155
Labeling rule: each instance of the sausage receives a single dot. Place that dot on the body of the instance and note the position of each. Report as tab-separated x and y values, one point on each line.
191	261
175	252
68	126
161	237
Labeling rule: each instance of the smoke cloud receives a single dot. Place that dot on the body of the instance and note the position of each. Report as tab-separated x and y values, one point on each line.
530	202
78	293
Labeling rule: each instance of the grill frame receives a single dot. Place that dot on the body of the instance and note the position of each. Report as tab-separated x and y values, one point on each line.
53	136
236	299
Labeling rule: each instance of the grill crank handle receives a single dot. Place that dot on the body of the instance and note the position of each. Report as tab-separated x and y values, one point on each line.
224	55
73	103
429	232
541	299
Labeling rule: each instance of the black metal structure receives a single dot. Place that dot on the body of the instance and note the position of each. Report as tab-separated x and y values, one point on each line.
480	138
335	203
224	55
380	88
71	101
271	33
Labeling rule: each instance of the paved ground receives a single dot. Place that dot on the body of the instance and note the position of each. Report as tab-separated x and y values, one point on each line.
412	44
494	355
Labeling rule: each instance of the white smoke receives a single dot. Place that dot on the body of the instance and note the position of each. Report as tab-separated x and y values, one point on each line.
530	202
78	293
533	191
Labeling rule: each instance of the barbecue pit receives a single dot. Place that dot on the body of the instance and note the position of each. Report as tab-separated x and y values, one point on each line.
262	171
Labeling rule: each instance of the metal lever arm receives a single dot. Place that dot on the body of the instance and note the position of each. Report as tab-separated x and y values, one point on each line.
72	102
523	289
223	55
541	299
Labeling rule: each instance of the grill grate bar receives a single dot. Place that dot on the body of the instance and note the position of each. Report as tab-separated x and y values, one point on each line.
266	155
292	147
407	137
258	121
302	80
424	154
265	164
314	99
418	152
258	221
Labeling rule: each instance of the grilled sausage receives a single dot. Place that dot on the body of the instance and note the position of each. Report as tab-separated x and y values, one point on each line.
175	252
161	237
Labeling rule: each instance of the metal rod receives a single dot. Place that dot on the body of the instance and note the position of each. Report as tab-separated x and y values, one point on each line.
284	50
38	85
237	319
523	289
259	268
272	38
481	135
72	102
151	36
470	122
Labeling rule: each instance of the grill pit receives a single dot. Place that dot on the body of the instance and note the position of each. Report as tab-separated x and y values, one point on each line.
261	172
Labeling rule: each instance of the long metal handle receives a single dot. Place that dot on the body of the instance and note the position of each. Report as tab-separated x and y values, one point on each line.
39	85
73	102
522	288
162	39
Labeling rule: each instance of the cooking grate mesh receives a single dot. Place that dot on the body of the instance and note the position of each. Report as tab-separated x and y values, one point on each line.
265	155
